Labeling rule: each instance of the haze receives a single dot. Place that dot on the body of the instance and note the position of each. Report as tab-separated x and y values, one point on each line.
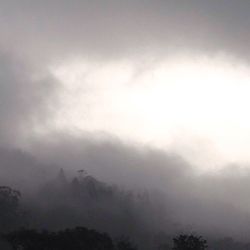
142	94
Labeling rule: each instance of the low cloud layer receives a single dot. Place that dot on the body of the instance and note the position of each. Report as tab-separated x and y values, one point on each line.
36	37
215	205
212	204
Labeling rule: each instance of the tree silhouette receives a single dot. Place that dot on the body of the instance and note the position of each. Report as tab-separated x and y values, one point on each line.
79	238
10	213
189	242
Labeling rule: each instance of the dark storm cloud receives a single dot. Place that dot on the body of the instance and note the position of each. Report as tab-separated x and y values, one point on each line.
125	28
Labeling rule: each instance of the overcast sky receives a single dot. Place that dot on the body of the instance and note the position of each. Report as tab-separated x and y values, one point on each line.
166	74
141	93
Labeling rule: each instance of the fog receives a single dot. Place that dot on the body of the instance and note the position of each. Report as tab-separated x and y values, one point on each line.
146	96
215	205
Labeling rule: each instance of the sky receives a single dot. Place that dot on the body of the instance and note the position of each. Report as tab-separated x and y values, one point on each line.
140	93
172	75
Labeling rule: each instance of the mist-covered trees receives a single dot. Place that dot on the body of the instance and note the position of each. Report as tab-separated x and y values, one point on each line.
86	201
82	202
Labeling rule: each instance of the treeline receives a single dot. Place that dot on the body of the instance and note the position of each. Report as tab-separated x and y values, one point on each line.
131	220
82	201
84	239
79	238
85	201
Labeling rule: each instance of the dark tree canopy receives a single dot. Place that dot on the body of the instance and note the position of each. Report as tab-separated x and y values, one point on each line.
76	239
189	242
9	208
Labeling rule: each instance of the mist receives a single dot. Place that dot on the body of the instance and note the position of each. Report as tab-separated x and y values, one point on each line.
149	98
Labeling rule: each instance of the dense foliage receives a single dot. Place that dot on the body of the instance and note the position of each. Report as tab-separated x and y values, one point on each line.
189	242
77	239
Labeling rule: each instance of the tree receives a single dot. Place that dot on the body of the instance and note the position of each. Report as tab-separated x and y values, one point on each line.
10	213
189	242
79	238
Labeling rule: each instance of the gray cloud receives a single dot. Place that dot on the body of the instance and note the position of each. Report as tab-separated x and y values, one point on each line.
34	34
115	28
39	34
24	99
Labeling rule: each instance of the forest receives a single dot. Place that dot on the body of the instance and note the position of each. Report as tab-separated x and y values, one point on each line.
84	213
